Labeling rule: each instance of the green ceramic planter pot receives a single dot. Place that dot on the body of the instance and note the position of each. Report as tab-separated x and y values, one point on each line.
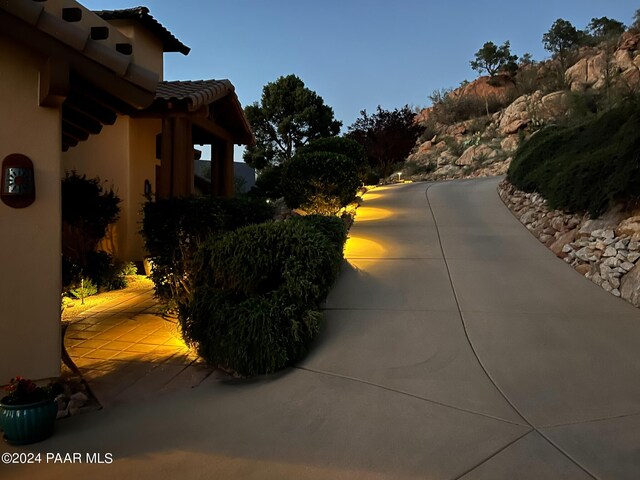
23	424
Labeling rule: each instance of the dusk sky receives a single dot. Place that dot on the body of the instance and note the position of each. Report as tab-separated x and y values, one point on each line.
356	54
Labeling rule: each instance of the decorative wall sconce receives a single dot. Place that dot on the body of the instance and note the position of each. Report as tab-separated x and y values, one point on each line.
18	186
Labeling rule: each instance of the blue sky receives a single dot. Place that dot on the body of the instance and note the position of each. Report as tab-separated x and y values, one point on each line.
356	54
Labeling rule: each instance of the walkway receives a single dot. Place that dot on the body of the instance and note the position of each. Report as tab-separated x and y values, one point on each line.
456	347
127	352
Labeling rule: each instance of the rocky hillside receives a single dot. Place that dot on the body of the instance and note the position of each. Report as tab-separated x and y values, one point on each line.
475	129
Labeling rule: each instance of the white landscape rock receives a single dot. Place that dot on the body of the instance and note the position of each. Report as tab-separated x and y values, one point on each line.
605	250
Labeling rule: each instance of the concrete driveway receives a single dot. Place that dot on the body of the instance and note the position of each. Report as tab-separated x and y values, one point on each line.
456	347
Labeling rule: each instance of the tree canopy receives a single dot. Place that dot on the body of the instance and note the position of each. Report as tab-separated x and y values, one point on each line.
561	38
494	59
604	28
288	116
387	136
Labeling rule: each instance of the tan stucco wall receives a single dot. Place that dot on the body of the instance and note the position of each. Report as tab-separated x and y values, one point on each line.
107	156
143	167
122	155
30	285
147	49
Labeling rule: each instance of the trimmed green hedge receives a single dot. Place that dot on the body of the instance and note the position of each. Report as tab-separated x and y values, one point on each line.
588	168
173	229
342	146
320	182
257	291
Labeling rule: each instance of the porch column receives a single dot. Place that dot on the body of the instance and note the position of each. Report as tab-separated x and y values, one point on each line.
176	164
182	164
166	159
227	177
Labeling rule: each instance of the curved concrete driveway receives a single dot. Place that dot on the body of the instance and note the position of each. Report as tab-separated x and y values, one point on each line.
456	347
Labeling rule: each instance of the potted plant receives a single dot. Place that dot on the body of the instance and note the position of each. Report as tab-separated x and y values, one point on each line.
28	412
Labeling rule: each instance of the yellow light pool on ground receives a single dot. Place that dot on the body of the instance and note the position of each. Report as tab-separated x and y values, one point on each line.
371	196
370	214
361	247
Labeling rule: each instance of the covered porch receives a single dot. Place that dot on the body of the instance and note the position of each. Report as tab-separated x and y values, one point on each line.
203	112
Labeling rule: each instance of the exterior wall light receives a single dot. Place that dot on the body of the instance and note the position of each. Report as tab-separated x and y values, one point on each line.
18	186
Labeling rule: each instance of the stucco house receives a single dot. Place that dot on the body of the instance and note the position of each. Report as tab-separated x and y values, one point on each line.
84	91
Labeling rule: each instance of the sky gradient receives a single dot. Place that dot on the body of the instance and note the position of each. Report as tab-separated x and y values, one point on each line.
356	54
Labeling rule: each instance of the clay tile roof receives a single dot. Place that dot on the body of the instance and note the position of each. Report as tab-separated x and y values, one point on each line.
196	93
169	42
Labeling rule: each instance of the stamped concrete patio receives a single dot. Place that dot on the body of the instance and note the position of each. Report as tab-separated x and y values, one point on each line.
126	350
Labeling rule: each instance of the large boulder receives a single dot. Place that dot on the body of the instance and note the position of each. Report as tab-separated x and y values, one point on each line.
518	114
629	41
447	171
476	154
630	286
500	87
554	105
630	78
510	144
445	158
623	59
586	72
425	147
608	221
628	227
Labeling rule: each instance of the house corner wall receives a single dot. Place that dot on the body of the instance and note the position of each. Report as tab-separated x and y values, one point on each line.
30	242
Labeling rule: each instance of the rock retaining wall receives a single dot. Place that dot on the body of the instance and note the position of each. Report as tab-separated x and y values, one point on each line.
605	250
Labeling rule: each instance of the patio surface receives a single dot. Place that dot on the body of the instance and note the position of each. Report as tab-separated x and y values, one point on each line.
127	351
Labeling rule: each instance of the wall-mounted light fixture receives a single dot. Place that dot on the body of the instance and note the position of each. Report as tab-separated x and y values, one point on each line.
18	185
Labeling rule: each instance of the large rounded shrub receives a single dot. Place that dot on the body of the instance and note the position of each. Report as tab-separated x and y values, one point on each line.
343	146
320	182
254	308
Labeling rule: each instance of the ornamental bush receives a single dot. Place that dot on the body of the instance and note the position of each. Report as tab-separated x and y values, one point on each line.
586	168
255	303
343	146
88	208
320	182
173	229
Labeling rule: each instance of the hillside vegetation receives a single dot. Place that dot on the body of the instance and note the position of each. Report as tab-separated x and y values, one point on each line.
586	168
477	128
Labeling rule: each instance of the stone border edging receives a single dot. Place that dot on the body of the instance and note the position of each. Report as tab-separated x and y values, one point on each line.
605	250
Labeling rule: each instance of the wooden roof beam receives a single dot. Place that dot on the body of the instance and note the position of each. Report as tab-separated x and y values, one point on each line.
83	103
79	119
68	142
74	132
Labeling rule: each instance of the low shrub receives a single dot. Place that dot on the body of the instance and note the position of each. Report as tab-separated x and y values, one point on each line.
586	168
129	268
173	229
105	272
257	290
452	109
85	288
